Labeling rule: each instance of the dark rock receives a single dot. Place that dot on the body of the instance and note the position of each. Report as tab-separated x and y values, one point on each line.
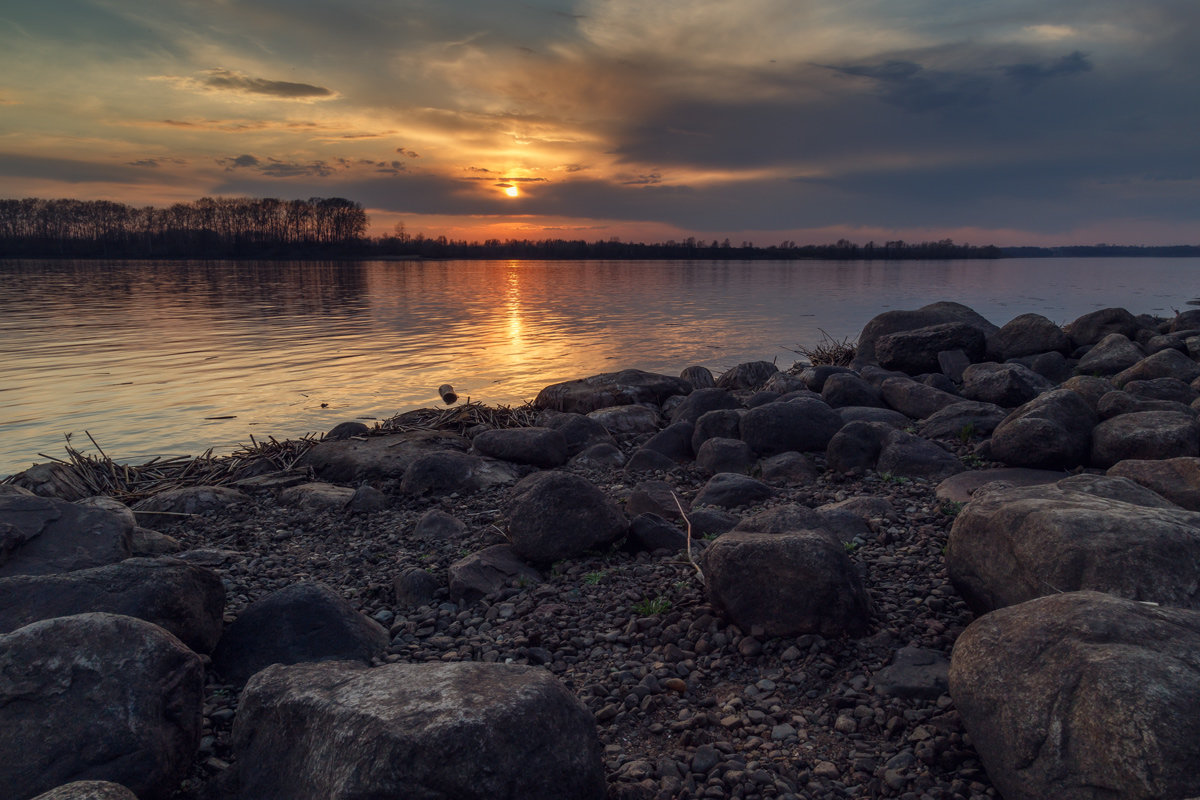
489	570
1176	479
803	426
609	389
915	351
367	500
1145	435
959	488
1121	402
1006	385
644	460
579	430
317	496
1089	388
1082	695
185	600
346	430
202	500
786	519
725	455
914	457
388	457
651	532
1111	355
710	522
761	399
41	535
110	504
88	790
783	383
856	447
1027	335
1094	326
963	421
448	471
306	621
890	322
1054	367
555	515
541	447
701	401
914	399
415	587
953	363
1171	389
673	441
145	542
847	389
1185	321
814	377
52	480
718	424
751	375
1009	545
790	468
938	381
600	456
99	697
1163	364
1054	430
916	674
786	583
339	732
729	490
653	497
619	420
864	414
698	377
436	524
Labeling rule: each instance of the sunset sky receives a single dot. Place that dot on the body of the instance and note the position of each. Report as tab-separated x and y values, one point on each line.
986	121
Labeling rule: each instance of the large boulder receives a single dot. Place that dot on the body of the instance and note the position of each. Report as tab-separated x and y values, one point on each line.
721	423
914	399
1007	385
489	570
43	535
856	447
963	421
1027	335
673	441
730	490
447	471
541	447
1009	545
1051	431
701	401
620	420
184	599
627	387
787	583
100	697
554	515
1163	364
88	790
376	457
343	732
1095	325
933	314
725	455
1145	435
750	375
1083	695
579	430
915	457
916	351
1110	355
1176	479
52	480
847	389
199	500
306	621
800	425
317	496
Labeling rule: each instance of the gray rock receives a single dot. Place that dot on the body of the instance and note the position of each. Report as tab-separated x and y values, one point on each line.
1027	335
339	732
610	389
914	457
448	471
865	414
1054	430
388	457
856	447
99	697
751	375
933	314
554	515
698	377
436	525
42	535
306	621
790	468
580	431
915	399
347	430
317	496
953	363
541	447
88	790
710	522
1094	326
1009	545
1120	402
847	389
651	532
415	587
645	460
1145	435
145	542
725	455
619	420
1163	364
799	425
203	500
1082	695
814	377
702	401
787	583
916	674
725	423
673	441
1176	479
1171	389
600	456
785	519
185	600
489	570
730	490
113	505
1007	385
1054	367
1089	388
963	421
959	488
916	351
52	480
783	383
1111	355
367	500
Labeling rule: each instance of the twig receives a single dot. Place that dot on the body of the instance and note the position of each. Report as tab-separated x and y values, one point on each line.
688	522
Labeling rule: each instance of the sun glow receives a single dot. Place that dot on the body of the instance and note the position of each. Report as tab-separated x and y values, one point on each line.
512	191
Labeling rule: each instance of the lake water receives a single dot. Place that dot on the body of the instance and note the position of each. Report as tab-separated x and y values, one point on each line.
141	354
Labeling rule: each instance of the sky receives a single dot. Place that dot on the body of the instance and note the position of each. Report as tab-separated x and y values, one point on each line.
986	121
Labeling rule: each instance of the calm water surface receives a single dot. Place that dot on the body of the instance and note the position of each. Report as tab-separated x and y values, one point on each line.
140	354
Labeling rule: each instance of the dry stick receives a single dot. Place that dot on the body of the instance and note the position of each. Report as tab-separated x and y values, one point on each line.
688	522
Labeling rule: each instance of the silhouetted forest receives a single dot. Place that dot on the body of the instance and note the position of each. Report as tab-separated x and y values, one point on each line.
336	227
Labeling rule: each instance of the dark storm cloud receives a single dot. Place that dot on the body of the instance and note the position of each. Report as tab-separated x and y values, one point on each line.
912	87
1029	76
69	170
277	168
228	80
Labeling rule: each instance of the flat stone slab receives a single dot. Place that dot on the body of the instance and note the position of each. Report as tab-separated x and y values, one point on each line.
959	488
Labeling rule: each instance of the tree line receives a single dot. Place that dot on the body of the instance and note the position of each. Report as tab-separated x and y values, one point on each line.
206	228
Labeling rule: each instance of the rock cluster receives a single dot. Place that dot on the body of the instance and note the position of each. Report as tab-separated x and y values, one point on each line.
964	564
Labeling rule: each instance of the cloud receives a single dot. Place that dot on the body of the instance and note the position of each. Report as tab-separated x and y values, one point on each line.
1029	76
68	170
404	151
910	86
155	163
238	83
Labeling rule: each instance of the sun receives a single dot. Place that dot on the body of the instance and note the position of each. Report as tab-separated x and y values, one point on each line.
512	191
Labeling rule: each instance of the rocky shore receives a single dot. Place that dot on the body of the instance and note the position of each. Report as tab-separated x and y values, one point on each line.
962	566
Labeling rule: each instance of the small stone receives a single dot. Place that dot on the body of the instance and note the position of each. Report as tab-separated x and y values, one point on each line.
675	685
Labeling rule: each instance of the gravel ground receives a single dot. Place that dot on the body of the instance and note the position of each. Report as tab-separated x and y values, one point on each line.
688	706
